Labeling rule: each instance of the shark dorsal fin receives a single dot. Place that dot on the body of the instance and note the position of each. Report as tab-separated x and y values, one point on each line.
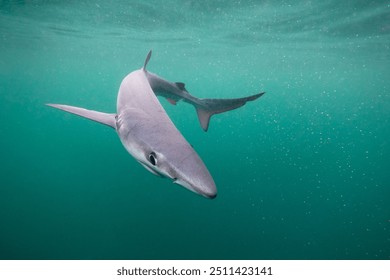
147	60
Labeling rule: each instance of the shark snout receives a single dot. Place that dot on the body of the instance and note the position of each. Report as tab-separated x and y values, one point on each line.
188	170
211	195
207	190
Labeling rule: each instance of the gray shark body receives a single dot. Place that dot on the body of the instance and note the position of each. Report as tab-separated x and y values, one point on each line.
149	135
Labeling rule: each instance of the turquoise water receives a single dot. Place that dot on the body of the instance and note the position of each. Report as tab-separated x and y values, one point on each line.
302	173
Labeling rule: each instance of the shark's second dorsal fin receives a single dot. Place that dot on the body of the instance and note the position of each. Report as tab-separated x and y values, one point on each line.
147	60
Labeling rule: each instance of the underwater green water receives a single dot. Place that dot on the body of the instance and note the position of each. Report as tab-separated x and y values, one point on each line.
302	173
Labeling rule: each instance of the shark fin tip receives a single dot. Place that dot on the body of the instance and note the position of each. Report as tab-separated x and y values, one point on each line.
149	55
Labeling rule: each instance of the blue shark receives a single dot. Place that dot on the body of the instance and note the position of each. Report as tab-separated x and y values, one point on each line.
149	135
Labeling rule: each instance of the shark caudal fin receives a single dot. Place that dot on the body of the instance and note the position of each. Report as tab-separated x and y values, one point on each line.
208	107
103	118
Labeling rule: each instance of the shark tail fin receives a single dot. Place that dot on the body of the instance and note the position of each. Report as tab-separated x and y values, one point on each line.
208	107
103	118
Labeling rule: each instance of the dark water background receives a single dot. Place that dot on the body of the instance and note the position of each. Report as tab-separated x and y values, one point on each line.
302	173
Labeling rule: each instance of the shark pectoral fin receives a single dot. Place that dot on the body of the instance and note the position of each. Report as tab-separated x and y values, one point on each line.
208	107
103	118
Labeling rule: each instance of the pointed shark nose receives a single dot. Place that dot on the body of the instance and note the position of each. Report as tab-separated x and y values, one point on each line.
208	191
212	195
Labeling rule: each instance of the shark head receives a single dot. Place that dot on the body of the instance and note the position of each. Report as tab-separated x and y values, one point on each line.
184	168
163	150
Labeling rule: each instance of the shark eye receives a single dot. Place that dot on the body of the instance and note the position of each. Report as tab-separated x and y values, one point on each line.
153	158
